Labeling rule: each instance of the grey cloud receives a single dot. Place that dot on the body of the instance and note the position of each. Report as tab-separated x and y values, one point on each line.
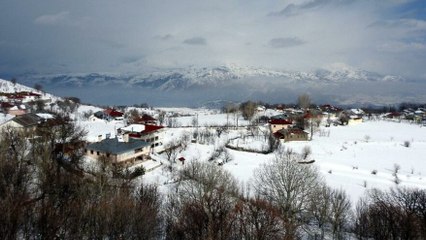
195	41
285	42
166	37
53	19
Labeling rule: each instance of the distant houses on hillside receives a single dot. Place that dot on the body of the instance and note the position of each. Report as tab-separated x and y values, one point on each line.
19	103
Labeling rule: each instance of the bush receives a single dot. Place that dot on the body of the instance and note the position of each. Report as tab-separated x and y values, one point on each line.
139	171
374	172
407	144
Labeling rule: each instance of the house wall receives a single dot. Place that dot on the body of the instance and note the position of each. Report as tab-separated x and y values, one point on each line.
296	137
354	121
155	139
277	127
120	158
16	126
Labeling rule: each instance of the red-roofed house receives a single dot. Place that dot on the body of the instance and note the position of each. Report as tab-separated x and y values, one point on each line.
278	124
152	134
114	114
145	119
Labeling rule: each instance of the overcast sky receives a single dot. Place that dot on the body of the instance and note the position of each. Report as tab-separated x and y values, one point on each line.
58	36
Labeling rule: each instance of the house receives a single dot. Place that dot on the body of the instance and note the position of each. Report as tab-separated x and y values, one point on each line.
108	115
5	106
278	124
25	122
152	134
145	119
114	114
354	119
17	110
120	149
292	134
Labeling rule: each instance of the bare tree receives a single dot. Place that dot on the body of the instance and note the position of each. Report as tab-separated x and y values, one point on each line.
248	109
258	219
304	101
161	117
320	209
289	186
339	213
203	203
396	214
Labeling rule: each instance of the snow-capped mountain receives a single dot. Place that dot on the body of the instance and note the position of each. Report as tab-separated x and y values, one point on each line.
193	86
222	76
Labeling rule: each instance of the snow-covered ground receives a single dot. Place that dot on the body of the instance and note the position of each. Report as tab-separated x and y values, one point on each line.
346	157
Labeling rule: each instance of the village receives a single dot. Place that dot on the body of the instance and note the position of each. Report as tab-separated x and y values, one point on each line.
358	150
148	137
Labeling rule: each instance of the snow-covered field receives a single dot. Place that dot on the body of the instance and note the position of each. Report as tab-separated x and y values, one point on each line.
346	157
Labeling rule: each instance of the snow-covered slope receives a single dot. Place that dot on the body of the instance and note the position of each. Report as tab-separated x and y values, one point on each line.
10	87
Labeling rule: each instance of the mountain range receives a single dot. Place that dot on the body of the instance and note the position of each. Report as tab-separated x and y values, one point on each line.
194	86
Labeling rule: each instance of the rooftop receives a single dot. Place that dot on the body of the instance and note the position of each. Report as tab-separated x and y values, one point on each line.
113	146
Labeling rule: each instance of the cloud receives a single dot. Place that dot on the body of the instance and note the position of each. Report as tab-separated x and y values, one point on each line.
400	47
53	19
195	41
294	9
166	37
285	42
405	23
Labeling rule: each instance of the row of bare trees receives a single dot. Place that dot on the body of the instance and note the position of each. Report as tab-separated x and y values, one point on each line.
286	201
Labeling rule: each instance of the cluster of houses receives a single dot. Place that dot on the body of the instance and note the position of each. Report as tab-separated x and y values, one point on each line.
131	143
19	103
292	124
416	115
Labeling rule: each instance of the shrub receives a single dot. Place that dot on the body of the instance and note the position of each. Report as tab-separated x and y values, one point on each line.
407	144
139	171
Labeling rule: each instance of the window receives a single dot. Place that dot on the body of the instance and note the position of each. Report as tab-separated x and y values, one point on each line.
97	153
91	151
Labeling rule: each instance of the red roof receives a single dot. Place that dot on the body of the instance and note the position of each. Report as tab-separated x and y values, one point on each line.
308	115
151	128
6	105
113	112
280	122
181	159
145	119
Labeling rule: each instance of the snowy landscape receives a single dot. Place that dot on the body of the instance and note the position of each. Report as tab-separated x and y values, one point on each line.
359	155
215	120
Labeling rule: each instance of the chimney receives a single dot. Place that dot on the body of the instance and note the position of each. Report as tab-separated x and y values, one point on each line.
99	138
126	137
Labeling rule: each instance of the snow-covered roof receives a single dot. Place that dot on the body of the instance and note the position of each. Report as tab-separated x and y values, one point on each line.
134	128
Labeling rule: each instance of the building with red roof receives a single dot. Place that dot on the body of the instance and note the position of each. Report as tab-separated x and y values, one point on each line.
114	114
278	124
152	134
